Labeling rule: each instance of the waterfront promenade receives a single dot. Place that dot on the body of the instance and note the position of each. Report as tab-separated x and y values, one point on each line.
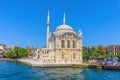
35	63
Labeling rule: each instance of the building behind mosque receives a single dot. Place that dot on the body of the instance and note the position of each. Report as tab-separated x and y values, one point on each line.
63	45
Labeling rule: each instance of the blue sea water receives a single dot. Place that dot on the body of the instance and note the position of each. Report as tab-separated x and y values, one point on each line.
18	71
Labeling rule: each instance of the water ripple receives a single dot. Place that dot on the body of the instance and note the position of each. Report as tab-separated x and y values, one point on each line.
18	71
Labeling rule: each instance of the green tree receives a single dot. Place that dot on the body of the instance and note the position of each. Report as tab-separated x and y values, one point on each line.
90	53
22	53
29	51
107	55
17	53
118	55
11	54
101	50
93	53
85	53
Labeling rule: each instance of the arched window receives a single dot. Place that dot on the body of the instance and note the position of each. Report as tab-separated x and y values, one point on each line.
62	56
74	55
74	44
63	44
68	44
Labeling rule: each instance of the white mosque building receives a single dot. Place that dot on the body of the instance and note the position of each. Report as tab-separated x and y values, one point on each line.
63	46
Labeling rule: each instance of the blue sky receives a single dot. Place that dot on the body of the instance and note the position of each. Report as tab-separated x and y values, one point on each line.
23	22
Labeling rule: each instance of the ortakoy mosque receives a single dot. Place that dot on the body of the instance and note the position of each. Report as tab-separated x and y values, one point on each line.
63	45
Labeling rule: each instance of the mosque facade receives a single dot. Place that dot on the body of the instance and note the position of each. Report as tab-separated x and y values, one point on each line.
63	45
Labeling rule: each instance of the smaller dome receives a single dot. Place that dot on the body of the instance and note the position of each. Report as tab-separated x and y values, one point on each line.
64	27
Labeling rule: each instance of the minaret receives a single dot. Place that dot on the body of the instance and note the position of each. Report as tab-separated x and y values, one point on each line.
48	26
64	19
79	34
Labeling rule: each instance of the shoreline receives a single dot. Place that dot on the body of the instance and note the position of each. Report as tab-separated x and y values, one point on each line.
37	64
8	59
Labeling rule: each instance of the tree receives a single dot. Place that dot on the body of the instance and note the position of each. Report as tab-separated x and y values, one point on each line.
101	50
118	55
17	53
22	52
93	53
107	55
11	54
85	53
30	49
90	53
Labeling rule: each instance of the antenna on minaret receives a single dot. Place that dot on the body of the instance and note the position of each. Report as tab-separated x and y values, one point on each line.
64	19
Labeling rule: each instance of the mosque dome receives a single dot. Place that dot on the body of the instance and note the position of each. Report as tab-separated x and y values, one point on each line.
64	27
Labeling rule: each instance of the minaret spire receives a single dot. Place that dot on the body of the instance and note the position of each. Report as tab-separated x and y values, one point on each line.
48	18
48	26
64	19
79	31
